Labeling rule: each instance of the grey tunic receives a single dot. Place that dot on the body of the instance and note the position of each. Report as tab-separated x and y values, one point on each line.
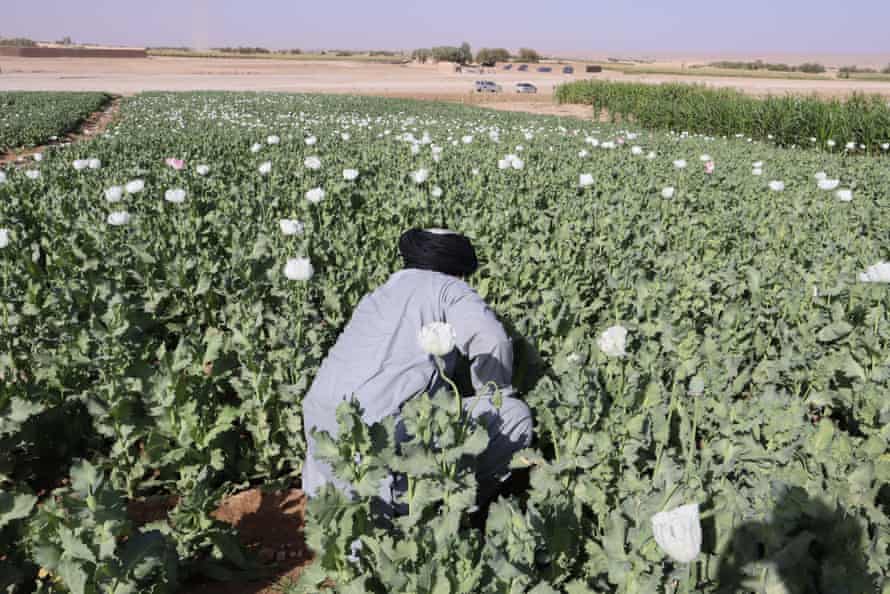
378	358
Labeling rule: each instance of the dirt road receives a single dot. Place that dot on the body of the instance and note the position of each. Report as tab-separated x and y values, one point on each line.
130	76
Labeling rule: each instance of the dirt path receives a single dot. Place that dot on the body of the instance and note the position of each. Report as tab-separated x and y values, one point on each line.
130	76
94	125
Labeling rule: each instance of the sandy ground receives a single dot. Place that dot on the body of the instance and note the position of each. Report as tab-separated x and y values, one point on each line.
130	76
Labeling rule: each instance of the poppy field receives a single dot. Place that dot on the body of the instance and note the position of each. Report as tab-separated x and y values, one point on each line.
700	328
28	119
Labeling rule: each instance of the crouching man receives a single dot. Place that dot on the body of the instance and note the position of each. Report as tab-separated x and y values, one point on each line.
379	361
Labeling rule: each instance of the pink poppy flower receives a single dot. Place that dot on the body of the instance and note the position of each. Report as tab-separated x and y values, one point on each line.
176	164
709	167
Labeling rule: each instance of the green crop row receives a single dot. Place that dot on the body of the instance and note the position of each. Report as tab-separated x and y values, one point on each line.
860	123
32	118
148	328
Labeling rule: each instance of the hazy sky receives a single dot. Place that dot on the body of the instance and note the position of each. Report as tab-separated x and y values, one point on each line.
721	26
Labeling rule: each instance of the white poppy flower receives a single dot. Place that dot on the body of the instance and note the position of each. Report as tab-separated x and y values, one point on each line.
257	147
350	174
311	140
651	155
420	176
608	145
437	338
776	186
298	269
176	196
830	143
850	146
38	157
757	172
820	175
613	341
32	174
118	218
4	238
503	164
636	150
844	195
81	164
592	141
273	139
345	136
94	164
475	171
290	227
705	158
315	195
583	154
585	180
436	192
517	164
2	177
680	164
885	146
757	165
678	532
467	139
668	192
114	194
135	186
828	184
313	163
877	273
202	169
265	168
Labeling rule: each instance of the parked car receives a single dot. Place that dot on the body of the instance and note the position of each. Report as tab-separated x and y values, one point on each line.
523	67
545	69
487	86
508	66
525	87
568	70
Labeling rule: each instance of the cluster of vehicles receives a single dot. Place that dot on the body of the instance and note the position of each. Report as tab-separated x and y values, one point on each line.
489	86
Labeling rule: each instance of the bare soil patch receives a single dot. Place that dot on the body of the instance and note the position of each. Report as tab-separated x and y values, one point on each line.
269	524
127	77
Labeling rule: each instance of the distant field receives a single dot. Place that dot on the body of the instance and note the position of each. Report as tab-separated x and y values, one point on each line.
870	76
674	70
258	56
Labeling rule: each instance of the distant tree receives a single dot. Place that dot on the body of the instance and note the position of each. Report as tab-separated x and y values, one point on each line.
422	55
811	68
466	53
527	54
17	42
489	56
886	69
446	53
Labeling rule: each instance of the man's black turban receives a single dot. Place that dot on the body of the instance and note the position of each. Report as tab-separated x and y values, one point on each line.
439	250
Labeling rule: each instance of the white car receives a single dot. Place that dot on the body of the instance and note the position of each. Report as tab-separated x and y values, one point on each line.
524	87
487	86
